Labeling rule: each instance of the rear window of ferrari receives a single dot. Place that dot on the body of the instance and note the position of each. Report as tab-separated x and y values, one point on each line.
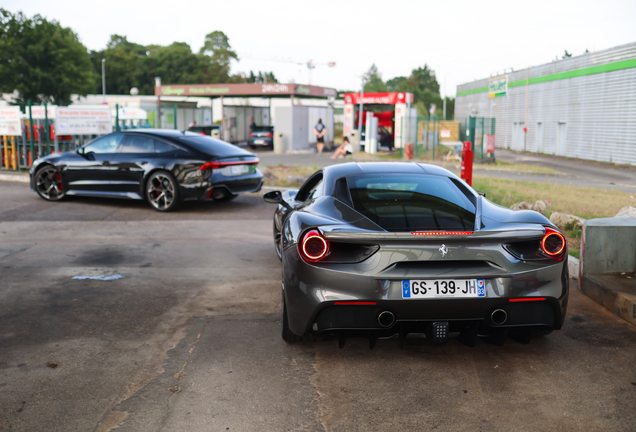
412	202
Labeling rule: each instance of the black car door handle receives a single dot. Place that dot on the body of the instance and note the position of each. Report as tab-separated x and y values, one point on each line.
106	163
143	162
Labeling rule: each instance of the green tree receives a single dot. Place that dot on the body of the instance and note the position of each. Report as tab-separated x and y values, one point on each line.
217	54
373	81
423	84
123	65
42	60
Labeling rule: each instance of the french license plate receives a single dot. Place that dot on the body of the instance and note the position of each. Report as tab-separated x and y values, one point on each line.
259	141
443	288
238	169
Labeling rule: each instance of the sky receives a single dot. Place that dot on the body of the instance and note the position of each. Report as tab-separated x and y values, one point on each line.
461	40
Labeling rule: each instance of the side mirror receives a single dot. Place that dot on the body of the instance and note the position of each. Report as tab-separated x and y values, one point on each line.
481	193
275	197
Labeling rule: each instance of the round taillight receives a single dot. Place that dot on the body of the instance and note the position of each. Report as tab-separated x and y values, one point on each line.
314	246
553	242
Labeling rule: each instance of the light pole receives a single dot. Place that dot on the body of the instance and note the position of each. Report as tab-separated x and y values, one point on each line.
104	78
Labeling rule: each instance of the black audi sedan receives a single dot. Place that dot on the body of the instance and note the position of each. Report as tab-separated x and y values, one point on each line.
164	167
261	136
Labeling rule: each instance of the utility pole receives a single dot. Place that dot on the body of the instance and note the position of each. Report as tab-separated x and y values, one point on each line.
361	110
104	78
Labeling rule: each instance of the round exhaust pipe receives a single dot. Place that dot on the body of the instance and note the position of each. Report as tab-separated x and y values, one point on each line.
498	316
386	319
217	195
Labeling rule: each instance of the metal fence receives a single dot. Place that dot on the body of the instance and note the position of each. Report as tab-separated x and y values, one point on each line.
475	129
422	133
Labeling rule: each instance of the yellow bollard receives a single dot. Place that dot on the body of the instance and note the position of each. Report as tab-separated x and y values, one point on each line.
14	154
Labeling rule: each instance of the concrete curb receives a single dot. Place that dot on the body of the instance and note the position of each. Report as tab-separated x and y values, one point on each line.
22	178
614	292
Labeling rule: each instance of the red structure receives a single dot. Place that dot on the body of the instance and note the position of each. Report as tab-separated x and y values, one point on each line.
467	162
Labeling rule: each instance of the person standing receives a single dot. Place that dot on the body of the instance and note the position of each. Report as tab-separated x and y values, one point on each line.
320	131
252	124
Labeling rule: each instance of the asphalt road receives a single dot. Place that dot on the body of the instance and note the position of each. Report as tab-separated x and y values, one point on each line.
188	339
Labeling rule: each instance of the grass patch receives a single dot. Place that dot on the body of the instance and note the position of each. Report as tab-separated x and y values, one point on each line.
287	175
585	202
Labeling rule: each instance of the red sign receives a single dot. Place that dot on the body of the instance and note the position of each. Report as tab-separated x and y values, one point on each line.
490	144
379	98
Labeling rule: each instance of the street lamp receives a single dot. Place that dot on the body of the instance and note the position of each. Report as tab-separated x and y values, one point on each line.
104	78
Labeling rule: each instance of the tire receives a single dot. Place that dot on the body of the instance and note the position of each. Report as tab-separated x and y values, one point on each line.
278	246
48	184
162	191
287	335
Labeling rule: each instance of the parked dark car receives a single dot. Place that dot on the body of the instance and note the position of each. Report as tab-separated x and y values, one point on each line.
164	167
378	249
204	130
261	136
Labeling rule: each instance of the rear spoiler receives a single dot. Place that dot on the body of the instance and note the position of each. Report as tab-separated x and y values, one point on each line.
519	233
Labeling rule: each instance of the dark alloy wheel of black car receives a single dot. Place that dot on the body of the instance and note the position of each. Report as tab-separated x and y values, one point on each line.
379	249
163	167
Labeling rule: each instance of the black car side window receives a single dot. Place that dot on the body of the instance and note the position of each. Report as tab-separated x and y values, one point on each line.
163	147
106	144
138	144
311	188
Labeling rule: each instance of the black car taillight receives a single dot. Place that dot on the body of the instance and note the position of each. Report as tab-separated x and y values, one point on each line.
553	243
313	247
552	246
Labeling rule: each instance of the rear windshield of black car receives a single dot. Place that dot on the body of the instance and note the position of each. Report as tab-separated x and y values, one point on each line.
212	146
263	129
412	202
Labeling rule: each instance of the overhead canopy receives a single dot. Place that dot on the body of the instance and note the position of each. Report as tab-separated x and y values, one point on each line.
245	90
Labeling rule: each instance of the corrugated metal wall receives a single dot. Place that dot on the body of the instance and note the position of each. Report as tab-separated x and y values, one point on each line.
589	117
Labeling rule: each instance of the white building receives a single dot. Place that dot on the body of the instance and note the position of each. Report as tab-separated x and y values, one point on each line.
582	107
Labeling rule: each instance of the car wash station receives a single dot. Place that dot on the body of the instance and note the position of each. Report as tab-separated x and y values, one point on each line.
293	109
384	118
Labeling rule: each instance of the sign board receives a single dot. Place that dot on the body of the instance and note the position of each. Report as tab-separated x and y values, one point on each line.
445	133
490	144
130	113
83	120
37	112
498	86
10	121
390	98
274	89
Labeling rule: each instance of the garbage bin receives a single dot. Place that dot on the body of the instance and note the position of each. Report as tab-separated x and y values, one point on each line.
279	144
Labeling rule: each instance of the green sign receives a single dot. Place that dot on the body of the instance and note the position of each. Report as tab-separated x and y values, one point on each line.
498	86
302	89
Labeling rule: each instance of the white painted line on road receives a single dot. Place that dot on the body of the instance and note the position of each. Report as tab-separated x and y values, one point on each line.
14	178
100	277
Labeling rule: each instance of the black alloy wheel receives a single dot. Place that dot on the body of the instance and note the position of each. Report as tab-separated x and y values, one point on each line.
48	183
278	238
162	191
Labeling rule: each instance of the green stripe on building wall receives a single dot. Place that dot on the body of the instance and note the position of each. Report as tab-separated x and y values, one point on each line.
592	70
473	91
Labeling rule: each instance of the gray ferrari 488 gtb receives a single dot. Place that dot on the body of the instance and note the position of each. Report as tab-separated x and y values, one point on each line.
378	249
